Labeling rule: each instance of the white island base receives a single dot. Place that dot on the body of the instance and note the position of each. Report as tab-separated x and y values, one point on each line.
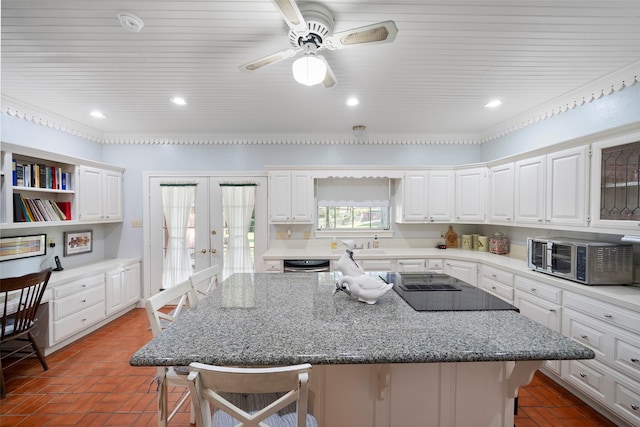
419	394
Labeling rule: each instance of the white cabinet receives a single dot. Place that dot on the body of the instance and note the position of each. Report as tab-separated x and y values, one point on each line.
529	195
290	197
411	265
36	188
613	378
122	288
377	264
100	194
615	201
567	202
463	270
497	282
541	303
471	194
75	306
551	189
426	196
501	196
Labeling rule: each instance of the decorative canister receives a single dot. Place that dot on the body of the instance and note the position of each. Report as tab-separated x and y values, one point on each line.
498	244
474	241
483	243
467	242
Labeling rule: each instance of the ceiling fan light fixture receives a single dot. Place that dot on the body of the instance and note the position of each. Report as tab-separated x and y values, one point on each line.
309	70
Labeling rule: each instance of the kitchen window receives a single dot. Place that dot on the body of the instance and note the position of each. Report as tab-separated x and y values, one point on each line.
353	204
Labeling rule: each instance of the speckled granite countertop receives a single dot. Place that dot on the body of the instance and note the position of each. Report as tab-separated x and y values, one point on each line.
278	319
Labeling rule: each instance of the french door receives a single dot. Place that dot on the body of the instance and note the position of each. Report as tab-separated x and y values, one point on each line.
206	229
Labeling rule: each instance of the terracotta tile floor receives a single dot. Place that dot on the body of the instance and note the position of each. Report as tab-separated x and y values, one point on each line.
90	383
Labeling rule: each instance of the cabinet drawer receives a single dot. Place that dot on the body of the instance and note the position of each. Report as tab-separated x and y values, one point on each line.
589	378
377	264
583	330
626	355
273	266
627	402
541	290
607	313
435	265
78	286
411	265
76	322
73	303
497	275
497	288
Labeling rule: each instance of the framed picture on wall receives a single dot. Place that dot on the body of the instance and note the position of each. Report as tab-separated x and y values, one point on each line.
22	247
78	242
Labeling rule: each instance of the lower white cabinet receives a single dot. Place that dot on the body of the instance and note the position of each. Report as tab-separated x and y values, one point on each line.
463	270
411	265
89	297
122	288
612	332
541	303
75	306
377	264
497	282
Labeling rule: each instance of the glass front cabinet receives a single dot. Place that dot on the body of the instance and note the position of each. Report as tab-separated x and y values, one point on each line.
616	183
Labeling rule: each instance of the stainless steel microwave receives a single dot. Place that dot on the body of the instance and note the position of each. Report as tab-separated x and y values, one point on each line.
583	261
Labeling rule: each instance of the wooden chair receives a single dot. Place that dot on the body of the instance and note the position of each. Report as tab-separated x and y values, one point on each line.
274	388
164	308
21	297
208	276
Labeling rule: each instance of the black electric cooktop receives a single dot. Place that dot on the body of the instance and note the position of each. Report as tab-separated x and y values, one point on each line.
441	292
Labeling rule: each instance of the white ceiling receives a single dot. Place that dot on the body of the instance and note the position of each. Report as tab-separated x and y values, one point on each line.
449	58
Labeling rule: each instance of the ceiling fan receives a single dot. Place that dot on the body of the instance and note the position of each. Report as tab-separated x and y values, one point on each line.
311	30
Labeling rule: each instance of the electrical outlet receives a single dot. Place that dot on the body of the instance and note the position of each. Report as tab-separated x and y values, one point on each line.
136	223
281	235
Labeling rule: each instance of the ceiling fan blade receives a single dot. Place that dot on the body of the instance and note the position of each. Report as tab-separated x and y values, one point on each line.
292	16
269	59
382	32
330	78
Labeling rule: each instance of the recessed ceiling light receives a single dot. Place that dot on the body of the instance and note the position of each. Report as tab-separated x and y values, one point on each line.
98	114
353	101
179	101
493	104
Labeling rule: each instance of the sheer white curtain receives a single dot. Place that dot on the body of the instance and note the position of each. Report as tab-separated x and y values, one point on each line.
238	202
177	200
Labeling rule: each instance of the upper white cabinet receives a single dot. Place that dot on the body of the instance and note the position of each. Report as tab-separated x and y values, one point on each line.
425	196
551	189
290	197
501	196
471	194
39	188
529	195
100	194
567	187
615	184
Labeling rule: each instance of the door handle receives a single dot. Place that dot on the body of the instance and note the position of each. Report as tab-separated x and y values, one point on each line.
214	251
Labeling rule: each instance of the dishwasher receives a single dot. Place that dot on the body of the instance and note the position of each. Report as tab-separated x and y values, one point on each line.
306	265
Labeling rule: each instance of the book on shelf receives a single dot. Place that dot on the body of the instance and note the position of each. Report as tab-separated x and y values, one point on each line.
14	172
35	210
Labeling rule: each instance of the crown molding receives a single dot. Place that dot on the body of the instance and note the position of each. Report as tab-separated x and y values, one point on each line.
324	139
607	85
22	110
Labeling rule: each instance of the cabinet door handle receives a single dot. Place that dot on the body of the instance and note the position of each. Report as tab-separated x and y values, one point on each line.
608	316
635	360
493	287
584	337
533	289
84	300
635	407
214	251
203	251
583	375
552	310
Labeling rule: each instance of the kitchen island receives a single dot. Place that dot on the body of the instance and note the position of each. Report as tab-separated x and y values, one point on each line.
373	365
